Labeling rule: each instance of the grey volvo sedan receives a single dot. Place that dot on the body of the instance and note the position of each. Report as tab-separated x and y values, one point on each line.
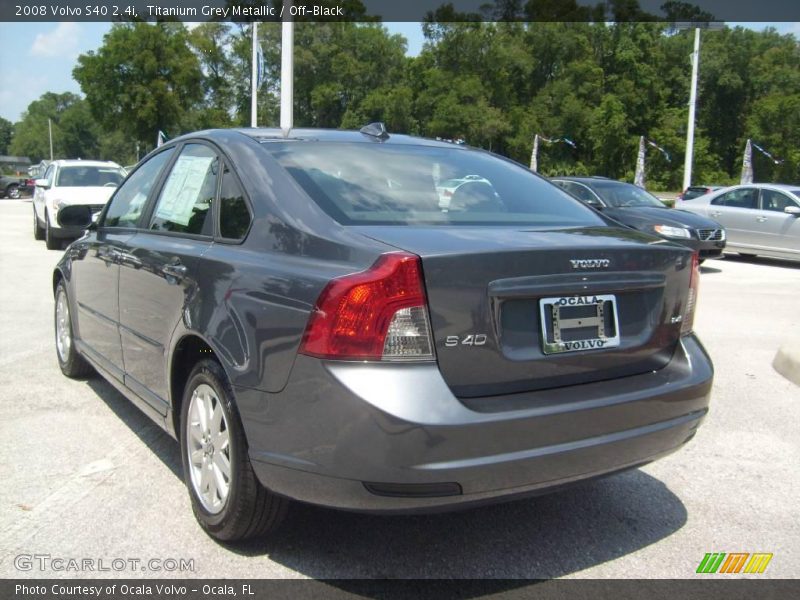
309	323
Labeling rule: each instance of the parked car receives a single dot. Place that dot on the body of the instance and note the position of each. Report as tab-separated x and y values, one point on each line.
762	219
639	209
695	191
448	187
12	186
304	318
66	183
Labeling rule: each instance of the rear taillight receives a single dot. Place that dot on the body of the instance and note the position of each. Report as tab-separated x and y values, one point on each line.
691	299
378	314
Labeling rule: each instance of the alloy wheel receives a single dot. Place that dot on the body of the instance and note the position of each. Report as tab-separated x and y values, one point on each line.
208	448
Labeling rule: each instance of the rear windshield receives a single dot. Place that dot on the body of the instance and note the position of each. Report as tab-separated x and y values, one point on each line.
366	184
694	193
89	176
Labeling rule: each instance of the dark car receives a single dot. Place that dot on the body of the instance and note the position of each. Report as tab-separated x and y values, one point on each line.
12	186
695	191
634	207
306	319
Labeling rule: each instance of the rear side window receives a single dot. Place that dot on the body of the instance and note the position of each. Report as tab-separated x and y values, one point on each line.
368	183
234	214
127	204
184	205
741	198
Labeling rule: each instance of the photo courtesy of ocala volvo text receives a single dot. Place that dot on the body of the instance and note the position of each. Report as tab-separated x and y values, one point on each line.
305	318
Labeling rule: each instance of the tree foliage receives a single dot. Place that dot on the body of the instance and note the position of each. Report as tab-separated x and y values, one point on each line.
555	68
143	79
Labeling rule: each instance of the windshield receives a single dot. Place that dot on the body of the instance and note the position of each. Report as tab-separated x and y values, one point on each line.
623	195
363	184
88	176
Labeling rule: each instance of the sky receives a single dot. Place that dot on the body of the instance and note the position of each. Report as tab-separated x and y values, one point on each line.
39	57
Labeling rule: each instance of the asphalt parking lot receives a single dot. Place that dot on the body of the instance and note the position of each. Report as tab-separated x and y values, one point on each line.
86	475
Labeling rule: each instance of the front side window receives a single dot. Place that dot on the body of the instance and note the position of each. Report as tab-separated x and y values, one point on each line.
775	201
583	193
184	205
48	175
365	183
624	195
128	202
741	198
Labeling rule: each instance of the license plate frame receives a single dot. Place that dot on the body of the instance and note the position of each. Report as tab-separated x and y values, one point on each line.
555	319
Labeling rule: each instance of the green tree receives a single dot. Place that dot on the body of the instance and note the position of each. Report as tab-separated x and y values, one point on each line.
210	42
144	78
6	132
75	135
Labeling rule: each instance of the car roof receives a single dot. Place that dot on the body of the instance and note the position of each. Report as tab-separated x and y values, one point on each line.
590	180
786	187
273	134
84	163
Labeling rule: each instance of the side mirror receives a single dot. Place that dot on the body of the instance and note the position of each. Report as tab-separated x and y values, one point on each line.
594	204
42	183
792	210
78	217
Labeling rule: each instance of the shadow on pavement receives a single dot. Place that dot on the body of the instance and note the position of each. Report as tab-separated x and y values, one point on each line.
161	444
763	260
543	537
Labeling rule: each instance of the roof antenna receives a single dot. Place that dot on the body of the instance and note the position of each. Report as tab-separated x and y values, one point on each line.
376	130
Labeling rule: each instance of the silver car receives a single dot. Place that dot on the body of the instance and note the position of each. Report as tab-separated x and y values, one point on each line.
761	218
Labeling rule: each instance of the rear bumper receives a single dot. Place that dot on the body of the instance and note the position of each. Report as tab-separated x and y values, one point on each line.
339	430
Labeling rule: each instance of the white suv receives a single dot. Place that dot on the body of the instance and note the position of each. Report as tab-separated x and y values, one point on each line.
68	182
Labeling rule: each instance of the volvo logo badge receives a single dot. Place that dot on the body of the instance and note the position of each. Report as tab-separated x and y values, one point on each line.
590	263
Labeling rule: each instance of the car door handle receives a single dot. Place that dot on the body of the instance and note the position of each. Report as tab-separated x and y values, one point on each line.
761	219
716	213
176	270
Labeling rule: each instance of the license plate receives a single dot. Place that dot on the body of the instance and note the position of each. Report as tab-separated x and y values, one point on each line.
575	323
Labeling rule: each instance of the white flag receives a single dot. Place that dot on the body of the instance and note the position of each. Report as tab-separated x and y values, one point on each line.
161	139
535	154
747	164
638	178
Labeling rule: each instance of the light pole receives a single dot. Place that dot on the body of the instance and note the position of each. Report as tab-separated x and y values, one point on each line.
687	165
287	69
254	79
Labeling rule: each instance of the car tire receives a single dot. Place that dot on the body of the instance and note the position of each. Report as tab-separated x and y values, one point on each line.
12	191
38	232
52	242
72	364
236	509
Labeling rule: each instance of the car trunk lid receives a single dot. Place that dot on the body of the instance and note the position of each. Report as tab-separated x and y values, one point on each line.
521	309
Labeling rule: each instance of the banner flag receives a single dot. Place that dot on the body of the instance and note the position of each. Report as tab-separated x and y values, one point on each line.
747	165
777	161
535	153
638	178
161	139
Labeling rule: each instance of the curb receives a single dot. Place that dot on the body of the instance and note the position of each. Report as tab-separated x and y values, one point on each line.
787	363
